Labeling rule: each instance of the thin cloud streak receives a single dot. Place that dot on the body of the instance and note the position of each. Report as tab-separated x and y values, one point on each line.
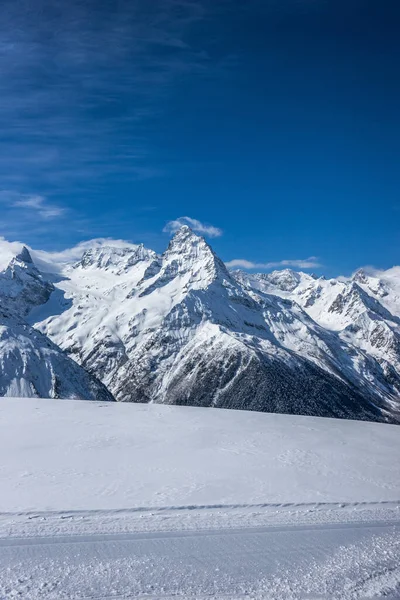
38	204
195	224
68	75
241	263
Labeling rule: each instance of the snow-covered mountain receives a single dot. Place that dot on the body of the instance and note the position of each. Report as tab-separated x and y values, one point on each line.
181	329
363	311
30	364
22	286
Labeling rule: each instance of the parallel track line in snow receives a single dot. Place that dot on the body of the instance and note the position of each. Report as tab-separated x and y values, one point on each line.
161	535
200	507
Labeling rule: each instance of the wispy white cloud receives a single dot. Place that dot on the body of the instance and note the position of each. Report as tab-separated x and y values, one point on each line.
83	81
307	263
8	250
38	204
194	224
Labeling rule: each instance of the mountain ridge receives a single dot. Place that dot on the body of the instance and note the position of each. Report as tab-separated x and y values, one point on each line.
181	328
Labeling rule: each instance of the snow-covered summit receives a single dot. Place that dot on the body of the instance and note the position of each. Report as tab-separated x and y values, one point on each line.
114	259
286	280
190	254
22	286
382	285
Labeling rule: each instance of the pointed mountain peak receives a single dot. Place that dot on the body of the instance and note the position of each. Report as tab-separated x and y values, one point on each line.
185	229
186	245
184	235
360	275
22	263
24	256
189	256
22	285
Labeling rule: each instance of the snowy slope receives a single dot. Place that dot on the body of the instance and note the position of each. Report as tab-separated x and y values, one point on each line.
30	364
87	315
362	311
116	500
73	455
382	285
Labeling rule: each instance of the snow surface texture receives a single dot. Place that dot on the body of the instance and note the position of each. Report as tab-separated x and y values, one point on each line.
180	329
114	500
127	455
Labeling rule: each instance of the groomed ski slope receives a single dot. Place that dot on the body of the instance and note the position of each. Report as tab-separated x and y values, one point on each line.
110	500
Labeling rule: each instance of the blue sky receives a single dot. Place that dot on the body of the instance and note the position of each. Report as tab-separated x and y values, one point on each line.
274	122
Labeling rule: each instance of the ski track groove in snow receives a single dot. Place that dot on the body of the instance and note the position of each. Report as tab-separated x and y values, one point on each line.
346	563
15	542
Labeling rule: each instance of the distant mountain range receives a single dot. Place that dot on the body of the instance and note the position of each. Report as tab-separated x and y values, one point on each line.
122	322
